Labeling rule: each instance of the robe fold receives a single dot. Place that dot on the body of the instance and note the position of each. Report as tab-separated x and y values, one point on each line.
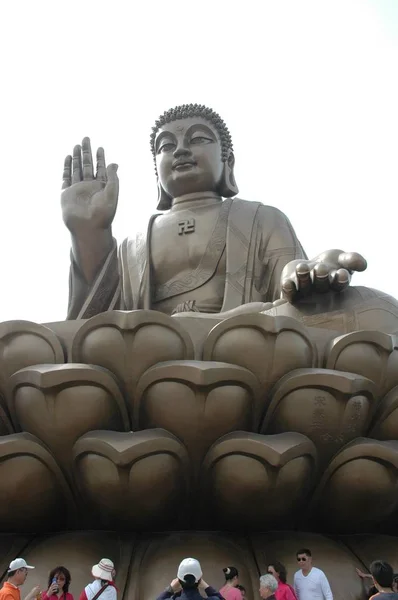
259	242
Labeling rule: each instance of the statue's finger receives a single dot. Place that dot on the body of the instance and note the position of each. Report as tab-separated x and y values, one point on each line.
67	174
289	290
101	165
341	280
352	261
77	174
320	277
304	281
111	173
88	171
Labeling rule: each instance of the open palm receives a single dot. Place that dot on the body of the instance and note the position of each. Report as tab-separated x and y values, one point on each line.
88	200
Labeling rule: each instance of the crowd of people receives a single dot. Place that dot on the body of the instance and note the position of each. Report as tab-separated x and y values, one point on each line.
59	579
309	582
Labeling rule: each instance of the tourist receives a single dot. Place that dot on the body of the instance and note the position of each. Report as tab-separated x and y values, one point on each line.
58	585
188	583
284	591
229	591
268	587
102	586
16	576
310	583
383	574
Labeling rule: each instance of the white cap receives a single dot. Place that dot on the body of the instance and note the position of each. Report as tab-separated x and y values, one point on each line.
190	566
104	570
18	563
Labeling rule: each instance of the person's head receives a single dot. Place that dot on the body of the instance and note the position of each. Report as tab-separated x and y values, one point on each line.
268	585
62	575
193	153
231	575
304	559
382	573
395	583
278	570
104	570
189	573
242	590
18	571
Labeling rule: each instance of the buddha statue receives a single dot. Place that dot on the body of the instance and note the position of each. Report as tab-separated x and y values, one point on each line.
206	251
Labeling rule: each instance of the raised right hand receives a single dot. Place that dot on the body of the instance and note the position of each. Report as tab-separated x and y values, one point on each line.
88	201
53	589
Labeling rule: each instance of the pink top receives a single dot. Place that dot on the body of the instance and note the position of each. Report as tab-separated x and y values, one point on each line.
63	596
285	592
228	592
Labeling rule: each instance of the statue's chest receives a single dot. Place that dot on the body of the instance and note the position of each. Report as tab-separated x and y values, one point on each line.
179	241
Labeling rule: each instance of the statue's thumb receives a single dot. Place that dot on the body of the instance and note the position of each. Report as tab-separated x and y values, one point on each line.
111	171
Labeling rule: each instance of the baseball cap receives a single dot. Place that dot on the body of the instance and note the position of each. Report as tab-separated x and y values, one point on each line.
18	563
190	566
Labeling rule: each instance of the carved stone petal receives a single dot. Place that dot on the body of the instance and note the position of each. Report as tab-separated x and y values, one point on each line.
59	403
132	480
156	560
128	343
370	353
33	492
385	425
22	344
332	556
198	402
257	481
79	551
268	346
371	547
364	474
330	407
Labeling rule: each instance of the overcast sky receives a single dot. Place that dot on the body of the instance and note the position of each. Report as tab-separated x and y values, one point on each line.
309	91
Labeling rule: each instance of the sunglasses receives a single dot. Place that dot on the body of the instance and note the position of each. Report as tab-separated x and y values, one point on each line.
301	558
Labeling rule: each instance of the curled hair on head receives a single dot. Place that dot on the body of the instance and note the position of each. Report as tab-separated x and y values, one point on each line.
230	573
186	111
65	572
382	572
280	569
188	583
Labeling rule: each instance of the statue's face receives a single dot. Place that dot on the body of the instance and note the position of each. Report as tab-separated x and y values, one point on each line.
188	157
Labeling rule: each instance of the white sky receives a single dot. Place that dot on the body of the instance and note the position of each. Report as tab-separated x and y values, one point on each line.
308	89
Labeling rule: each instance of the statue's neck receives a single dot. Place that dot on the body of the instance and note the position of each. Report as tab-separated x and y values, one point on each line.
195	200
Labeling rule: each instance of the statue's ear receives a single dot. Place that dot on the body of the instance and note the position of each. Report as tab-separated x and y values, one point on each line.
164	200
228	187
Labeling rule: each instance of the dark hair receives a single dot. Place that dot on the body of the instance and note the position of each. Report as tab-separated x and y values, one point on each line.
382	573
194	110
189	582
280	569
230	573
11	573
64	572
303	551
241	588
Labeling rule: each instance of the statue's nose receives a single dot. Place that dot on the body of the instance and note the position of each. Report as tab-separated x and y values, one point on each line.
181	150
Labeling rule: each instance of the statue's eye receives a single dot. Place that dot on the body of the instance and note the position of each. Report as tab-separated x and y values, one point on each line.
167	147
200	139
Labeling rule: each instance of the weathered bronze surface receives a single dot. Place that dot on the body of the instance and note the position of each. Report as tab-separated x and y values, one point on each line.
251	392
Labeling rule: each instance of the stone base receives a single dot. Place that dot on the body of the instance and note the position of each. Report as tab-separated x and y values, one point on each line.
146	563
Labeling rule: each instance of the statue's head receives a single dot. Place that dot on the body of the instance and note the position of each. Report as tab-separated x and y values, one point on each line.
193	153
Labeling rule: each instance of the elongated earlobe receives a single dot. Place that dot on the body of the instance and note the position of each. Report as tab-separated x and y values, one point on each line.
164	201
228	187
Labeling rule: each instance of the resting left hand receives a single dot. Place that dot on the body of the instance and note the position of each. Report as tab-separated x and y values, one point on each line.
330	271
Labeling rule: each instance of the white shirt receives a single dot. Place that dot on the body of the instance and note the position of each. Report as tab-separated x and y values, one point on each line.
314	586
108	594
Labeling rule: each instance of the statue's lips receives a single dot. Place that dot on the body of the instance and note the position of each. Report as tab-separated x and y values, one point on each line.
183	166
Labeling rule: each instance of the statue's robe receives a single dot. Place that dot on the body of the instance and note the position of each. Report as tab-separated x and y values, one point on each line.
256	242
